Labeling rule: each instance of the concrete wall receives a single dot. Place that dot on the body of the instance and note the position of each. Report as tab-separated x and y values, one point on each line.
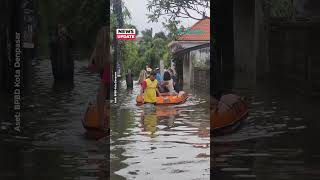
286	50
194	66
187	71
244	24
201	57
295	55
201	80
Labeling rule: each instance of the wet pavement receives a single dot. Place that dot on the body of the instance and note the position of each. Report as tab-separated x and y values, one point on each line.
160	143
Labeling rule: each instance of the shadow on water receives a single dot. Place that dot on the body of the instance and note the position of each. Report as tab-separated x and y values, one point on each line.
159	142
53	144
277	141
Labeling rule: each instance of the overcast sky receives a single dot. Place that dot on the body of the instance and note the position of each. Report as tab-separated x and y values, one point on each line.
139	13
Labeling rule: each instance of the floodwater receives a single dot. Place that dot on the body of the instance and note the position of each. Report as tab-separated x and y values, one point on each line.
52	145
160	143
279	140
170	142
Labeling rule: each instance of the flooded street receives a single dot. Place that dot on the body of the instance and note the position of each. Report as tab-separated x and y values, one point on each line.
53	145
170	142
166	142
277	141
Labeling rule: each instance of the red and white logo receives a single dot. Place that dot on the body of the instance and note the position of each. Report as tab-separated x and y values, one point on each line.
126	34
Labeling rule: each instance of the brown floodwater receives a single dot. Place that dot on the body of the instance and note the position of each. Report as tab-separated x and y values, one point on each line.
160	142
167	142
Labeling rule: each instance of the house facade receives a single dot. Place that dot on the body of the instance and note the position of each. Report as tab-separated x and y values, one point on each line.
191	56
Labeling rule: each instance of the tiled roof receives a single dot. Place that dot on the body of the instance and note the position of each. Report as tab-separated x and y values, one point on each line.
203	25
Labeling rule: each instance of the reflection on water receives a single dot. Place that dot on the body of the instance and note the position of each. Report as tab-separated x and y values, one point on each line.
277	141
159	142
53	145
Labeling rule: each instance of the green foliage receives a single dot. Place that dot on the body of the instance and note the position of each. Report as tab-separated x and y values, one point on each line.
166	58
172	27
161	35
147	36
130	57
194	9
171	10
149	50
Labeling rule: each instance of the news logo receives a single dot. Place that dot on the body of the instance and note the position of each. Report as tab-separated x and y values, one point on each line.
126	34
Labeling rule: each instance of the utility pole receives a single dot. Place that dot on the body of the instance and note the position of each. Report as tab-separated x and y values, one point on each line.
117	10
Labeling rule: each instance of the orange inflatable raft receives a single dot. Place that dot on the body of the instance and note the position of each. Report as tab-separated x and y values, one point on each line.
227	114
91	122
166	99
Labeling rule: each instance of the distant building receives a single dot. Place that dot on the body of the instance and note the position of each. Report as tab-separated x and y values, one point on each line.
191	56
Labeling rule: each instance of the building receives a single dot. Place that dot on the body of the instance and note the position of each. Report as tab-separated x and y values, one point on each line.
277	39
191	56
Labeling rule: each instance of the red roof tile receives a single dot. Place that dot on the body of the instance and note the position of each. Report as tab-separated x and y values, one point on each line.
203	25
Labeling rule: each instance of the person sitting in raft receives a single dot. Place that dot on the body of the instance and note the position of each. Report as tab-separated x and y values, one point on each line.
150	90
161	87
174	79
168	83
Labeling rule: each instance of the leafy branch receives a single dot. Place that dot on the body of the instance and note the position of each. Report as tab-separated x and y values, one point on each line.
177	9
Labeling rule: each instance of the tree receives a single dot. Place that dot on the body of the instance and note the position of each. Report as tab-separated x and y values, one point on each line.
131	57
172	27
160	35
147	35
177	8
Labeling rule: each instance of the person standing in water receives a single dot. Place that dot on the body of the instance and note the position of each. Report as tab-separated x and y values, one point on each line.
129	79
150	90
101	52
100	63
